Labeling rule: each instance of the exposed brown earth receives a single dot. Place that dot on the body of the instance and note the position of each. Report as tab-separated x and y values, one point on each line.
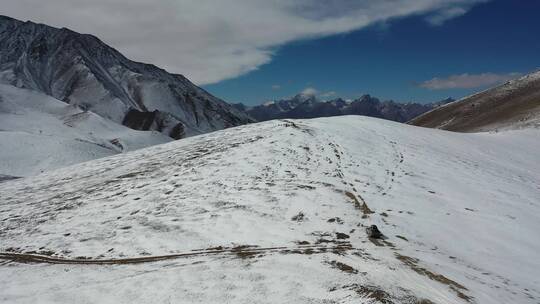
456	287
362	206
514	104
244	251
375	294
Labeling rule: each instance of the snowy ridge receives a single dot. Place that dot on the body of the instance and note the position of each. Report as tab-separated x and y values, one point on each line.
277	211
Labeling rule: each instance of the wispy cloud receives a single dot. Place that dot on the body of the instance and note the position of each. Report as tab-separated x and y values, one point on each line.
211	40
310	91
276	87
467	81
328	94
446	14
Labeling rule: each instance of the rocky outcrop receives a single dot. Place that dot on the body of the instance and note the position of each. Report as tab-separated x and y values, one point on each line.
156	120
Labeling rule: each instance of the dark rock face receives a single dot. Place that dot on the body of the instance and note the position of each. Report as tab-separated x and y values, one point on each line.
374	232
5	178
302	106
341	236
81	70
178	131
138	120
156	120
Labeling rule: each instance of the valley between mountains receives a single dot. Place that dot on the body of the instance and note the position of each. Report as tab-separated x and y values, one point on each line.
276	212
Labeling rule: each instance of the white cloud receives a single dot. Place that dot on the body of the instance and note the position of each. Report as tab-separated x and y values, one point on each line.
276	87
310	91
446	14
328	94
467	81
212	40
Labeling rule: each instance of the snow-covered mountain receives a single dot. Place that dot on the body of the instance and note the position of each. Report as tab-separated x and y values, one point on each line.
275	109
276	213
39	133
83	71
513	105
309	106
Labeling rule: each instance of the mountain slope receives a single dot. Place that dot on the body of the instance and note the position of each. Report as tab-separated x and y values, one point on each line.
309	106
83	71
39	133
275	213
513	105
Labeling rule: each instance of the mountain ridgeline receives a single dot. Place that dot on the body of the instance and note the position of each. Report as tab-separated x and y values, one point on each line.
309	106
81	70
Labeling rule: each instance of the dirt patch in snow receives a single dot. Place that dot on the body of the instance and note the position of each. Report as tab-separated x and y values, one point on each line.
402	237
376	294
299	217
359	205
343	267
242	251
246	251
381	243
454	286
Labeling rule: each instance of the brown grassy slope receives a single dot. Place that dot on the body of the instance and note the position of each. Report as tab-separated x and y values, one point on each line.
512	105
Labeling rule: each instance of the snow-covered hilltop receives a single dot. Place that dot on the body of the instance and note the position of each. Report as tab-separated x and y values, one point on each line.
83	71
513	105
276	213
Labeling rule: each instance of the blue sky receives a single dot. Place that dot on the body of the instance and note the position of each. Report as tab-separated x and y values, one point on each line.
390	60
252	51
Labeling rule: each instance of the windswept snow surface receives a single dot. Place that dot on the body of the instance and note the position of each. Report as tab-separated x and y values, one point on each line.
39	133
461	213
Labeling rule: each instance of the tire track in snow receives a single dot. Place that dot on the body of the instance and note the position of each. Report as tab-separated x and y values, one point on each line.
240	252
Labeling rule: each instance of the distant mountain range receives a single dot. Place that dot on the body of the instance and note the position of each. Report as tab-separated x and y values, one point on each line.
513	105
309	106
83	71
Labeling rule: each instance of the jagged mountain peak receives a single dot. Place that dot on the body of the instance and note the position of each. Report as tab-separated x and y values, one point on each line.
338	102
304	97
367	98
310	106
